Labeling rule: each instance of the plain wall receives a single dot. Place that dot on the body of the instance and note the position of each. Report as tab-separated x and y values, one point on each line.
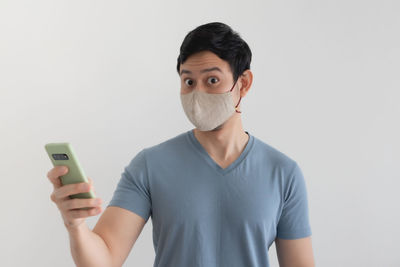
102	76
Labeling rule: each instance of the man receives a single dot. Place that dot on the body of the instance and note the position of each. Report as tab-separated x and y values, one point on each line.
217	195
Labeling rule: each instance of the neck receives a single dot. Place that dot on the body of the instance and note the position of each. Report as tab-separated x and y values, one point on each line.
226	142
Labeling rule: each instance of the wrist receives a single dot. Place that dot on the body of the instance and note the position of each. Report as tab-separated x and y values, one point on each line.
75	229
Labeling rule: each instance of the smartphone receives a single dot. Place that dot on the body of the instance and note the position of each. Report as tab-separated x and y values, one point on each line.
63	154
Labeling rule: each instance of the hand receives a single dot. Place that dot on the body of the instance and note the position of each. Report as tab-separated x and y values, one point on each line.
70	210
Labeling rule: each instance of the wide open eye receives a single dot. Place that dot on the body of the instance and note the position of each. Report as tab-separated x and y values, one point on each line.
213	80
188	82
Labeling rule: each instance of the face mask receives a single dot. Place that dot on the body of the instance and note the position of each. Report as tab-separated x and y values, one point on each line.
208	111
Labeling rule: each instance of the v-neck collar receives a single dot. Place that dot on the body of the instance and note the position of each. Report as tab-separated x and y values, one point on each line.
204	154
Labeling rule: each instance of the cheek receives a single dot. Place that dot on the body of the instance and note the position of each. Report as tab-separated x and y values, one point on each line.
184	90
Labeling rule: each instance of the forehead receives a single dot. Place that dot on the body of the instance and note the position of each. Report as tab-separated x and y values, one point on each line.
203	60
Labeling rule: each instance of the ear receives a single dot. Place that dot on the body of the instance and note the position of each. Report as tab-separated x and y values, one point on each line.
245	81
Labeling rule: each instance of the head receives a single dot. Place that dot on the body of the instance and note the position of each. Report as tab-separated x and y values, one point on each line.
217	46
213	58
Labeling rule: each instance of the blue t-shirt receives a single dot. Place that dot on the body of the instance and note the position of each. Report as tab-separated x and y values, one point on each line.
207	216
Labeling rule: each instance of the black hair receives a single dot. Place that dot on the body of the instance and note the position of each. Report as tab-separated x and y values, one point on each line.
220	39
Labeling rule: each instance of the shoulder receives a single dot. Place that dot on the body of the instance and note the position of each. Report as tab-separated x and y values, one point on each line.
169	148
273	157
169	143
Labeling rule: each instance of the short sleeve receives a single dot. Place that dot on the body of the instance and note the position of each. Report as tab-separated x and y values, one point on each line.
294	220
132	191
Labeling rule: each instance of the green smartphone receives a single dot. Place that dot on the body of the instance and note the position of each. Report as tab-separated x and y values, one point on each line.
63	154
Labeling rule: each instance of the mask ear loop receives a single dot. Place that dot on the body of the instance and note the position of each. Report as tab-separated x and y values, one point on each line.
238	111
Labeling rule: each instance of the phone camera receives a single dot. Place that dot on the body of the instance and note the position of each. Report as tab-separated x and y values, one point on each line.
60	156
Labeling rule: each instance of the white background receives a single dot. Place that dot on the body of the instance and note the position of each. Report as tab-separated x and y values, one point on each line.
101	75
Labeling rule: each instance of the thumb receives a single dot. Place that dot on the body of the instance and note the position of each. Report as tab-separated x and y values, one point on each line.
91	183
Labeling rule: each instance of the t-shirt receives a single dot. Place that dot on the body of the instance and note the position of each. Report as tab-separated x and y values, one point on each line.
204	215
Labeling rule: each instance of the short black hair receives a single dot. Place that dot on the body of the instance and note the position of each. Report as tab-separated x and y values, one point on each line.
220	39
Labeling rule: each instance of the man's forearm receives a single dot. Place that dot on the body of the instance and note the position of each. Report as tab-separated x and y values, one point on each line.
88	248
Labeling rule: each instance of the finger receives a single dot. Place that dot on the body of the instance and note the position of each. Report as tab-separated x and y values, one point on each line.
56	182
71	189
80	213
77	203
54	175
91	182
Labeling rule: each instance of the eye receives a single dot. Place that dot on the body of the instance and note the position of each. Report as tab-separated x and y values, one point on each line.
214	79
188	82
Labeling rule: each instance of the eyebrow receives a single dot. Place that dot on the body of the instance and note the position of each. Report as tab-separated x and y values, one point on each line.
202	71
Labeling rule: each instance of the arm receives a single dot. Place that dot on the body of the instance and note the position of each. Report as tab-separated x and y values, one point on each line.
295	252
119	228
293	239
114	234
110	241
122	221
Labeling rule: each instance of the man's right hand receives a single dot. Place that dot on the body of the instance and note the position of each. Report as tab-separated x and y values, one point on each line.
69	208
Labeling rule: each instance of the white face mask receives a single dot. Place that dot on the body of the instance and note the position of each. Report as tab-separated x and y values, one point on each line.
208	111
